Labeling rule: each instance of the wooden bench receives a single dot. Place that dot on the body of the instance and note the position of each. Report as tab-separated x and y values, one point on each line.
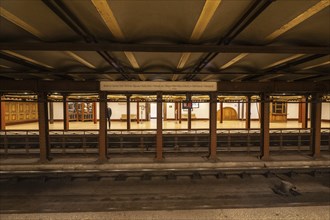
185	116
124	117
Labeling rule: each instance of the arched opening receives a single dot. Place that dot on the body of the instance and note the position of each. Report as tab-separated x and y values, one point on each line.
229	114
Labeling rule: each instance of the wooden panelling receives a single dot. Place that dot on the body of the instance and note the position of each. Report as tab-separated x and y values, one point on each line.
20	112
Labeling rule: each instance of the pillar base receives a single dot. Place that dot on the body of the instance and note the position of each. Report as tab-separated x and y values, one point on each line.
316	155
102	160
213	158
264	158
157	159
47	160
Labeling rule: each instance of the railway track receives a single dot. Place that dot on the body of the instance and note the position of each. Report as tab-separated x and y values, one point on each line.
165	190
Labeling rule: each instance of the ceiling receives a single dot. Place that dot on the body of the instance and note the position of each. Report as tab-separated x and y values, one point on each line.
177	40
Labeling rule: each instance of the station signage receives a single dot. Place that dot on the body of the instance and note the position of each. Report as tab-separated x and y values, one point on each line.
150	86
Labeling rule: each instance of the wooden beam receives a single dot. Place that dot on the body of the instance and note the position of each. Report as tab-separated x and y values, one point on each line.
159	135
43	127
103	135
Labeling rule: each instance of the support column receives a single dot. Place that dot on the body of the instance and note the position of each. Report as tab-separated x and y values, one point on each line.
213	127
303	117
159	137
248	113
264	126
180	112
316	124
43	127
51	112
65	113
103	140
128	111
138	112
94	113
189	111
221	112
2	114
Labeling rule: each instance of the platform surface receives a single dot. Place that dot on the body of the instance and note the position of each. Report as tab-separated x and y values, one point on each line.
147	163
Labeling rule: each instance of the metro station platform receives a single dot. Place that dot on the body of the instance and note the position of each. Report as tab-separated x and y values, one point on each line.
227	162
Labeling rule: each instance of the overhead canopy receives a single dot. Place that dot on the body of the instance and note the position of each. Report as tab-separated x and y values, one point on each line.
182	40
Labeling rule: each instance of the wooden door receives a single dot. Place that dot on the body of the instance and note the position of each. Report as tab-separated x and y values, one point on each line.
229	114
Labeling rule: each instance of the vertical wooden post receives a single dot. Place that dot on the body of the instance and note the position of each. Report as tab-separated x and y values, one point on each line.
213	127
138	112
94	113
2	114
316	124
159	136
264	126
103	139
65	113
248	113
43	127
128	111
51	112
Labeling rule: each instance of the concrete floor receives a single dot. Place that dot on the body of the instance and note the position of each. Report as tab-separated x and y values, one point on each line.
278	213
196	124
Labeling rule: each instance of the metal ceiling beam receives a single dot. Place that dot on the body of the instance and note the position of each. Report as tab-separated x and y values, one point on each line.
166	48
225	87
250	15
24	62
64	13
40	68
284	66
214	74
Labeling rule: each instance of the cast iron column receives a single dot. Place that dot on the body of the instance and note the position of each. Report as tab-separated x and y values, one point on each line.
159	137
94	113
189	111
248	113
264	126
128	111
51	113
103	139
43	127
213	127
65	113
316	124
2	114
221	112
